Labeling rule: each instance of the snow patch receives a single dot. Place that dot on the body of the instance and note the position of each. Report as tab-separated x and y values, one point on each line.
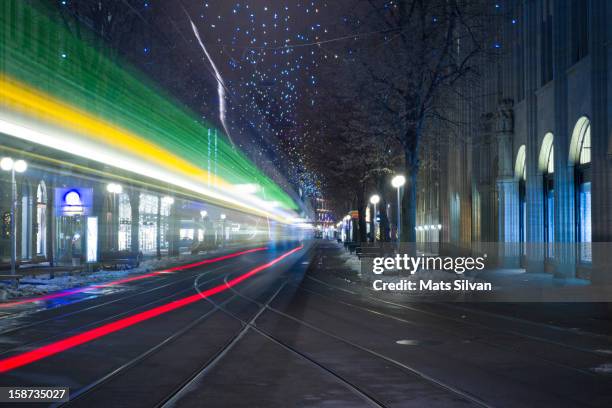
43	284
603	368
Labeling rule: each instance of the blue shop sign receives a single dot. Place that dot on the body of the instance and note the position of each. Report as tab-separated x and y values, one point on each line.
73	201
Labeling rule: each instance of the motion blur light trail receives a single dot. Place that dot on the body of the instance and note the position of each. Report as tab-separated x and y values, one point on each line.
131	279
61	92
29	357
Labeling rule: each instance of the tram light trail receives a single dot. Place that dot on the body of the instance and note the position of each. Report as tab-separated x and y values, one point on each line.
20	360
129	124
69	292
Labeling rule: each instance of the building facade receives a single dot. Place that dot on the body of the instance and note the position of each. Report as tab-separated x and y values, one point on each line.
530	162
67	218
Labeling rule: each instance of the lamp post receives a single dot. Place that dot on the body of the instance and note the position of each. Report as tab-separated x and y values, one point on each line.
19	166
347	227
112	240
397	182
375	199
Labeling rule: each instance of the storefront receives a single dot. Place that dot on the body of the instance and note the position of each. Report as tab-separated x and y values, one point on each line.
72	206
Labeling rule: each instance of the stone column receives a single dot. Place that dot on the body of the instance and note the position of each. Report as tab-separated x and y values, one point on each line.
565	254
601	152
507	195
534	183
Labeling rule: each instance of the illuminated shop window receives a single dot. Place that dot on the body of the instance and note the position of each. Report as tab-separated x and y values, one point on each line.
125	222
580	157
186	234
41	220
550	221
520	171
147	229
164	219
585	222
547	166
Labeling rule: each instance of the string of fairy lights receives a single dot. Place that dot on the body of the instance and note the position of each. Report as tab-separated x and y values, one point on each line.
268	71
269	54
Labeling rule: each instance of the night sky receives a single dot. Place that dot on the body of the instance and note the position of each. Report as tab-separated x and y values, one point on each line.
267	56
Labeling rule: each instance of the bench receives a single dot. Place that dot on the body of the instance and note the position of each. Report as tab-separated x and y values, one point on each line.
120	258
15	278
203	246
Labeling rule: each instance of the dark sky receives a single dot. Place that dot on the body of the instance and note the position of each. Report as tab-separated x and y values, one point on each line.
266	54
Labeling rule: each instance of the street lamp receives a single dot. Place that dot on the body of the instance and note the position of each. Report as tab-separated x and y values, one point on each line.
375	199
398	182
203	214
19	166
114	188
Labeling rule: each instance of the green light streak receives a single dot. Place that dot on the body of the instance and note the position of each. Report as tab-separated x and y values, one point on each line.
38	49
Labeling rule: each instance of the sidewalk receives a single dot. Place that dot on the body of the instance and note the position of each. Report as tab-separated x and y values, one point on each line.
337	266
42	284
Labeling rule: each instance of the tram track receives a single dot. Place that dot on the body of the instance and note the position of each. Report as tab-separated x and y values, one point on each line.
76	396
408	369
468	322
82	393
173	399
133	297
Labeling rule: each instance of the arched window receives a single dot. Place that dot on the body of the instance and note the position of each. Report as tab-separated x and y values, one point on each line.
520	173
547	167
41	220
580	157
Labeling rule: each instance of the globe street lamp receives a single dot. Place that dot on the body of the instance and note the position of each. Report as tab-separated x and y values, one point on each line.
114	188
375	199
347	226
19	166
397	182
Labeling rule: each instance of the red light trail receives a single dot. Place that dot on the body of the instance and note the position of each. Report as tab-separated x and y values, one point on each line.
48	350
132	279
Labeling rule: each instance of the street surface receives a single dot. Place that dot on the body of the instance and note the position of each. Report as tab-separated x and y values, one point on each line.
286	327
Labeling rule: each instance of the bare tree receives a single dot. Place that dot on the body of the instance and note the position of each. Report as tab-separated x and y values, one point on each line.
429	48
349	146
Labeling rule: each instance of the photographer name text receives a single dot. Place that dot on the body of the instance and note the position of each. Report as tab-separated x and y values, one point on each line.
413	265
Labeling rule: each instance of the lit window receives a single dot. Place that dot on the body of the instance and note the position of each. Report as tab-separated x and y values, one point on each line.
550	168
585	148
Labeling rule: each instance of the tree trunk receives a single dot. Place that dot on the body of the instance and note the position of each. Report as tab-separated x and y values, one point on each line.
409	203
385	230
382	210
361	207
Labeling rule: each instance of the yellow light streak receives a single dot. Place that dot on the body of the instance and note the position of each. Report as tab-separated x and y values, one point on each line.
94	137
25	99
